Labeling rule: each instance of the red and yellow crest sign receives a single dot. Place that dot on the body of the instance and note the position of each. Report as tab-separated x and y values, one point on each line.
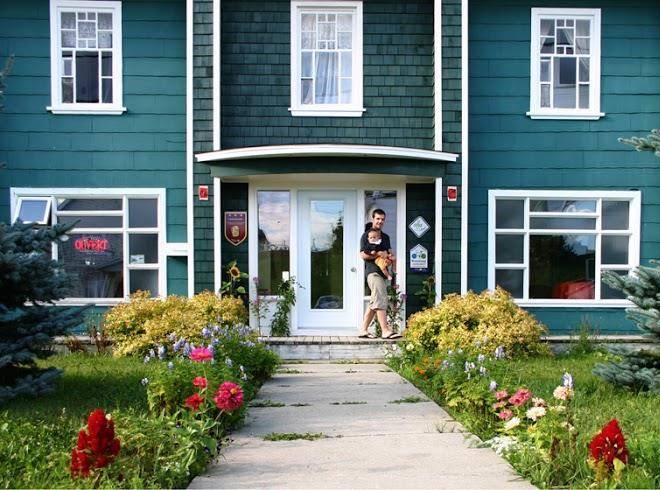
235	226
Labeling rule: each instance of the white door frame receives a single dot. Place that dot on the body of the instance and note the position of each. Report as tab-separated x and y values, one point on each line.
295	182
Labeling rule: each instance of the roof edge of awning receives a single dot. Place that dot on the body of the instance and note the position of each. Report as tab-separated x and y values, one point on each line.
325	150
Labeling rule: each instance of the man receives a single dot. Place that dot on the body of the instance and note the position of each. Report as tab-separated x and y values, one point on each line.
376	281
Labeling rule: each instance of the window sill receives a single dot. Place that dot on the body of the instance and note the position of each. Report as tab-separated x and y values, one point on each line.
298	112
107	111
586	116
570	303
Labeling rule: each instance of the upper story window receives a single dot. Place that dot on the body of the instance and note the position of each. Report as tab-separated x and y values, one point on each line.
326	58
551	248
565	64
86	63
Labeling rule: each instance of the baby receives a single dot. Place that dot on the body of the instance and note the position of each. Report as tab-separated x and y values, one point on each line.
383	258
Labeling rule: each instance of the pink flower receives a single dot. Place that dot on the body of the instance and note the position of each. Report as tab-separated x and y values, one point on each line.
201	354
520	397
200	382
501	395
505	414
229	396
194	401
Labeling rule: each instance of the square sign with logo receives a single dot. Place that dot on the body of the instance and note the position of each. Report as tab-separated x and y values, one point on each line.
419	226
419	259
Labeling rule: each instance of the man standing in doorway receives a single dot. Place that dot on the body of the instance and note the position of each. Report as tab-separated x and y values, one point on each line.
376	281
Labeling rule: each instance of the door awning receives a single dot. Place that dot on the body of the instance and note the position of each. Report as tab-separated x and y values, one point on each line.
279	159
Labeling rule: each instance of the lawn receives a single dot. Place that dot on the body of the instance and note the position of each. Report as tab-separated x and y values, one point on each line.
595	403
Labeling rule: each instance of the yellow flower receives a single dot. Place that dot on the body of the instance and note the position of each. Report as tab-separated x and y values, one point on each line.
235	272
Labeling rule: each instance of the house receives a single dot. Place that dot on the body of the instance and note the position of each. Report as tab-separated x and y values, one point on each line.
184	135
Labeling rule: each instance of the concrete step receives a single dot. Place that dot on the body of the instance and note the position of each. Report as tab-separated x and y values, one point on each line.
328	348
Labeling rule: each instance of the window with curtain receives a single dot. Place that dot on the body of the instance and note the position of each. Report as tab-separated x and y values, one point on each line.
86	56
565	63
326	58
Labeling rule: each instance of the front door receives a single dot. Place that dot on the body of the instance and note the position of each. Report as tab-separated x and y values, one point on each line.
327	261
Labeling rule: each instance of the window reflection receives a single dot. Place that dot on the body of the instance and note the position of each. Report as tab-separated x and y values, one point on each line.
273	238
385	200
327	250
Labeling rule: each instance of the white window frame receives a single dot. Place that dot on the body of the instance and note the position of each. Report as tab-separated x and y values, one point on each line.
538	112
355	109
46	216
633	197
59	107
18	194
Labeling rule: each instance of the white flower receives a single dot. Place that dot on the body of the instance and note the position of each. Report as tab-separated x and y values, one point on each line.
558	408
535	413
483	371
493	385
499	353
144	381
567	380
512	423
170	365
562	393
538	402
410	347
481	358
502	444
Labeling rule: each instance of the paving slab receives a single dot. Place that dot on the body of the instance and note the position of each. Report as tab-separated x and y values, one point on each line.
368	445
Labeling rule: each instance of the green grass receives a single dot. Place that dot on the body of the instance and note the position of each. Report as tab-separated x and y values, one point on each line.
595	403
349	403
410	399
266	404
293	436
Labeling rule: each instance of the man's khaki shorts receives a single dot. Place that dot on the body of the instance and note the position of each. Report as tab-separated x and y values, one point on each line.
378	289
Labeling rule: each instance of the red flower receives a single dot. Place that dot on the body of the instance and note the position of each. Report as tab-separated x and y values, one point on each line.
201	354
229	396
194	401
609	444
200	382
97	447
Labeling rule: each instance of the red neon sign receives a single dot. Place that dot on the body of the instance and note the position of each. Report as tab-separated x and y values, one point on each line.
91	244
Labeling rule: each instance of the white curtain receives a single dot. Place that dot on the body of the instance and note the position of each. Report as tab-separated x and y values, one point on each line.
326	78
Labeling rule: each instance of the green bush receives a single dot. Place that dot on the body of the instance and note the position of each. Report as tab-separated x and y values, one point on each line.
477	323
143	322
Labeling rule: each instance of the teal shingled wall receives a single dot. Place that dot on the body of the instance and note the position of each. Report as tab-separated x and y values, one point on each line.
509	150
145	147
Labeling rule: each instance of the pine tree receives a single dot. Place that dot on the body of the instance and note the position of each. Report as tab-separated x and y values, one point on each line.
638	369
649	143
31	281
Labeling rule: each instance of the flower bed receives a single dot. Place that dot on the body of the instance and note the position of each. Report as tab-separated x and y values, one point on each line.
557	423
167	413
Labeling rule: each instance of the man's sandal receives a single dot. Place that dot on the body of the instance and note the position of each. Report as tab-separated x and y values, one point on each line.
367	336
393	335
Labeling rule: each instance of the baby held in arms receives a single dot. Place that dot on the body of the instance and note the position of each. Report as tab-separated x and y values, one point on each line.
383	258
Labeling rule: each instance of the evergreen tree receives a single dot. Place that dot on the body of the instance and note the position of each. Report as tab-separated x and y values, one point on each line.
650	143
31	281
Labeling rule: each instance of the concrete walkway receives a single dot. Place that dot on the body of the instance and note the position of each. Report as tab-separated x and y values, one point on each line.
368	442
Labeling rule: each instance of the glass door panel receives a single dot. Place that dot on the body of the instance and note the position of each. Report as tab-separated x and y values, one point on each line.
327	254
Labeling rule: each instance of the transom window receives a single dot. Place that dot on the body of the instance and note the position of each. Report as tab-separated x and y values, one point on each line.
86	66
115	246
554	246
326	58
565	63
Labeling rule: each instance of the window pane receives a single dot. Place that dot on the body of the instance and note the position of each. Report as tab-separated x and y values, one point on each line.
385	200
144	280
89	204
106	64
509	249
547	27
561	206
326	90
143	249
107	91
614	249
545	95
545	70
548	45
91	221
105	39
345	96
565	37
67	90
345	22
582	27
563	223
564	82
509	213
346	64
96	264
68	39
511	280
307	64
615	215
562	266
584	69
68	20
274	239
143	213
584	96
105	21
308	40
308	22
345	40
327	31
307	93
582	45
33	211
606	292
87	76
326	231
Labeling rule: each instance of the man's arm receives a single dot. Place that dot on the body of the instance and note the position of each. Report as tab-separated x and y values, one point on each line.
366	256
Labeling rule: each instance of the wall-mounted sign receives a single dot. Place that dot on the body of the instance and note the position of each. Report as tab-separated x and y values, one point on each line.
452	193
419	226
235	226
419	259
91	244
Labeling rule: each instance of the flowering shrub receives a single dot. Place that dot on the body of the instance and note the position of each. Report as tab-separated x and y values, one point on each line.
608	454
143	322
97	446
477	323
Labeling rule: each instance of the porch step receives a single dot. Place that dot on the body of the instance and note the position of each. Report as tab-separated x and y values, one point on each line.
328	348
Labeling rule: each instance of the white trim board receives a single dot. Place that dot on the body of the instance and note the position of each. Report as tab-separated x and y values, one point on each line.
190	162
437	75
464	146
325	150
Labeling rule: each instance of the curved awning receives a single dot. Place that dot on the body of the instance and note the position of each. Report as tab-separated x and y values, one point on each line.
325	150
